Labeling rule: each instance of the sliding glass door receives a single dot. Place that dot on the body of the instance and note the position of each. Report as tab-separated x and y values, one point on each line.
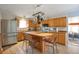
73	29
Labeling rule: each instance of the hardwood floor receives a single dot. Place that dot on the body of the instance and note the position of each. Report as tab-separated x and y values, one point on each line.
75	42
19	48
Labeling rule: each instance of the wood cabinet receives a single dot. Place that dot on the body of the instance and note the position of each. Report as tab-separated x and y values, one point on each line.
62	22
33	25
20	36
45	21
51	22
57	22
61	37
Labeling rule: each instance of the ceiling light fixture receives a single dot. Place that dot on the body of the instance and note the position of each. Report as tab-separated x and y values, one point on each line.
39	15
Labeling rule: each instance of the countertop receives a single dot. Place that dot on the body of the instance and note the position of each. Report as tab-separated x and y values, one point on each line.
39	33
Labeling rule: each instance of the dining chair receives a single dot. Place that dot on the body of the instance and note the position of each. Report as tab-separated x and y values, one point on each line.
29	42
52	42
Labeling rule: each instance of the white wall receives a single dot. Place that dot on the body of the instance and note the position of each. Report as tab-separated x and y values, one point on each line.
7	15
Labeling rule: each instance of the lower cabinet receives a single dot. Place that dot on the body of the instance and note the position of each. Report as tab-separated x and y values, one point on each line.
61	38
20	36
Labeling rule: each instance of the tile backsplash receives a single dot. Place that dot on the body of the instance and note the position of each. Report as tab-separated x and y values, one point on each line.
62	28
53	29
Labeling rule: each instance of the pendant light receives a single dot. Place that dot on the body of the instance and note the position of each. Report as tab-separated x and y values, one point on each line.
39	15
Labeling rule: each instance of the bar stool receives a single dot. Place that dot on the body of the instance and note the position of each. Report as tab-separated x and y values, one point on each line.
53	41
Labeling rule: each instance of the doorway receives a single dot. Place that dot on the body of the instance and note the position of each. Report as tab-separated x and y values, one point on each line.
73	30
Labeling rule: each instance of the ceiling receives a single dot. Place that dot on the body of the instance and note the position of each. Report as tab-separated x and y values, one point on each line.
50	10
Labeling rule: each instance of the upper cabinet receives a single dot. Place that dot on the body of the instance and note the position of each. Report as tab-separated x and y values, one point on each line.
33	25
62	22
57	22
30	24
45	21
51	22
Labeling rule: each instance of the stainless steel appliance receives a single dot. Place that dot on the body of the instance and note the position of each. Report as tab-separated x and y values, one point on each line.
9	29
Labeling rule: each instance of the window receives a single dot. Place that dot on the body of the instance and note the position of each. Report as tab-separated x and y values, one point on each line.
73	28
23	23
73	20
73	24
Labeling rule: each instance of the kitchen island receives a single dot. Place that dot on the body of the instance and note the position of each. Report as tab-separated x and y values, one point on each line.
39	36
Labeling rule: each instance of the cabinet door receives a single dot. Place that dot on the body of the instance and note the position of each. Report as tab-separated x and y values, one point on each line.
31	24
45	21
62	22
51	22
56	22
20	36
57	37
61	38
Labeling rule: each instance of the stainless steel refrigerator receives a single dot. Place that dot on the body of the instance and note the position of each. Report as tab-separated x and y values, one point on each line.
9	31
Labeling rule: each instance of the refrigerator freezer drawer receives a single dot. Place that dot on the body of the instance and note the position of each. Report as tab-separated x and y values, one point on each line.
11	40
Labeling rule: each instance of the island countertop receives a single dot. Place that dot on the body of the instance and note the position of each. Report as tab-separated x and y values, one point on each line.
37	33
